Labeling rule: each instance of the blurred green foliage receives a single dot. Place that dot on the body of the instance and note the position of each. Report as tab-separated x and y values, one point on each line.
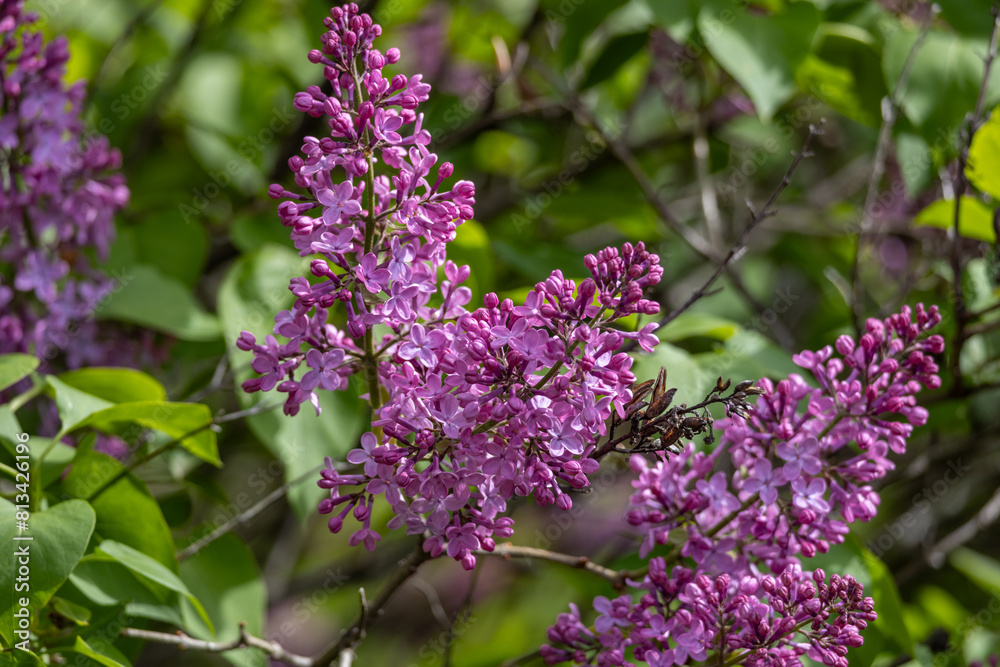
198	96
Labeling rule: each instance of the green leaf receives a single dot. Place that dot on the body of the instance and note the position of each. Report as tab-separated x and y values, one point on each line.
982	569
760	52
976	218
60	456
116	385
579	21
837	87
70	610
15	367
149	568
677	17
299	442
177	249
148	298
618	51
188	422
747	355
692	324
984	157
126	511
10	428
970	17
74	405
59	537
19	658
225	575
472	246
499	152
683	371
944	80
83	648
106	582
848	75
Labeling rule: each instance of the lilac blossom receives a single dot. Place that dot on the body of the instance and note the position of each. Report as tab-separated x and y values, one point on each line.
58	198
803	464
472	407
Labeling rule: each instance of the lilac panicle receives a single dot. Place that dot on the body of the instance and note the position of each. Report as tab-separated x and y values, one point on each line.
472	407
58	197
803	464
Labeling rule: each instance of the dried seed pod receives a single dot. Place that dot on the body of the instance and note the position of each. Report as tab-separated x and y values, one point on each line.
694	423
660	403
661	382
743	386
721	386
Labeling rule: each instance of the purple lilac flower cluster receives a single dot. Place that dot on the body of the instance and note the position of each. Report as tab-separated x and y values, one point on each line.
471	408
798	479
58	198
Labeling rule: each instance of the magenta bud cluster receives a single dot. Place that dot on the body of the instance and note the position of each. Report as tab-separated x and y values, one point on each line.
59	194
781	486
473	407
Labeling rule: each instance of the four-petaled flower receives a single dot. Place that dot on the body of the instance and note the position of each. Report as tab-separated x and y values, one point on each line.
338	202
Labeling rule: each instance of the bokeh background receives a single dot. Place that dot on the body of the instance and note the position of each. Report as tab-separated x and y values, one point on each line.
552	107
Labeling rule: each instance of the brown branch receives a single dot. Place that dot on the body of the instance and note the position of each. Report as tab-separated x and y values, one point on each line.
961	183
508	551
890	112
369	612
245	640
243	517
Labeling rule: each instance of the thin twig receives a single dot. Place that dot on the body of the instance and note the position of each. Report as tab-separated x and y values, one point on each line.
508	551
935	556
961	183
218	377
245	640
621	150
624	154
462	613
755	219
890	113
351	636
433	601
244	517
220	419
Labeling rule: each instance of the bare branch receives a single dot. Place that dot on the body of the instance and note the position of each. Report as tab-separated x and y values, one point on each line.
369	612
244	517
935	556
245	640
507	551
756	218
